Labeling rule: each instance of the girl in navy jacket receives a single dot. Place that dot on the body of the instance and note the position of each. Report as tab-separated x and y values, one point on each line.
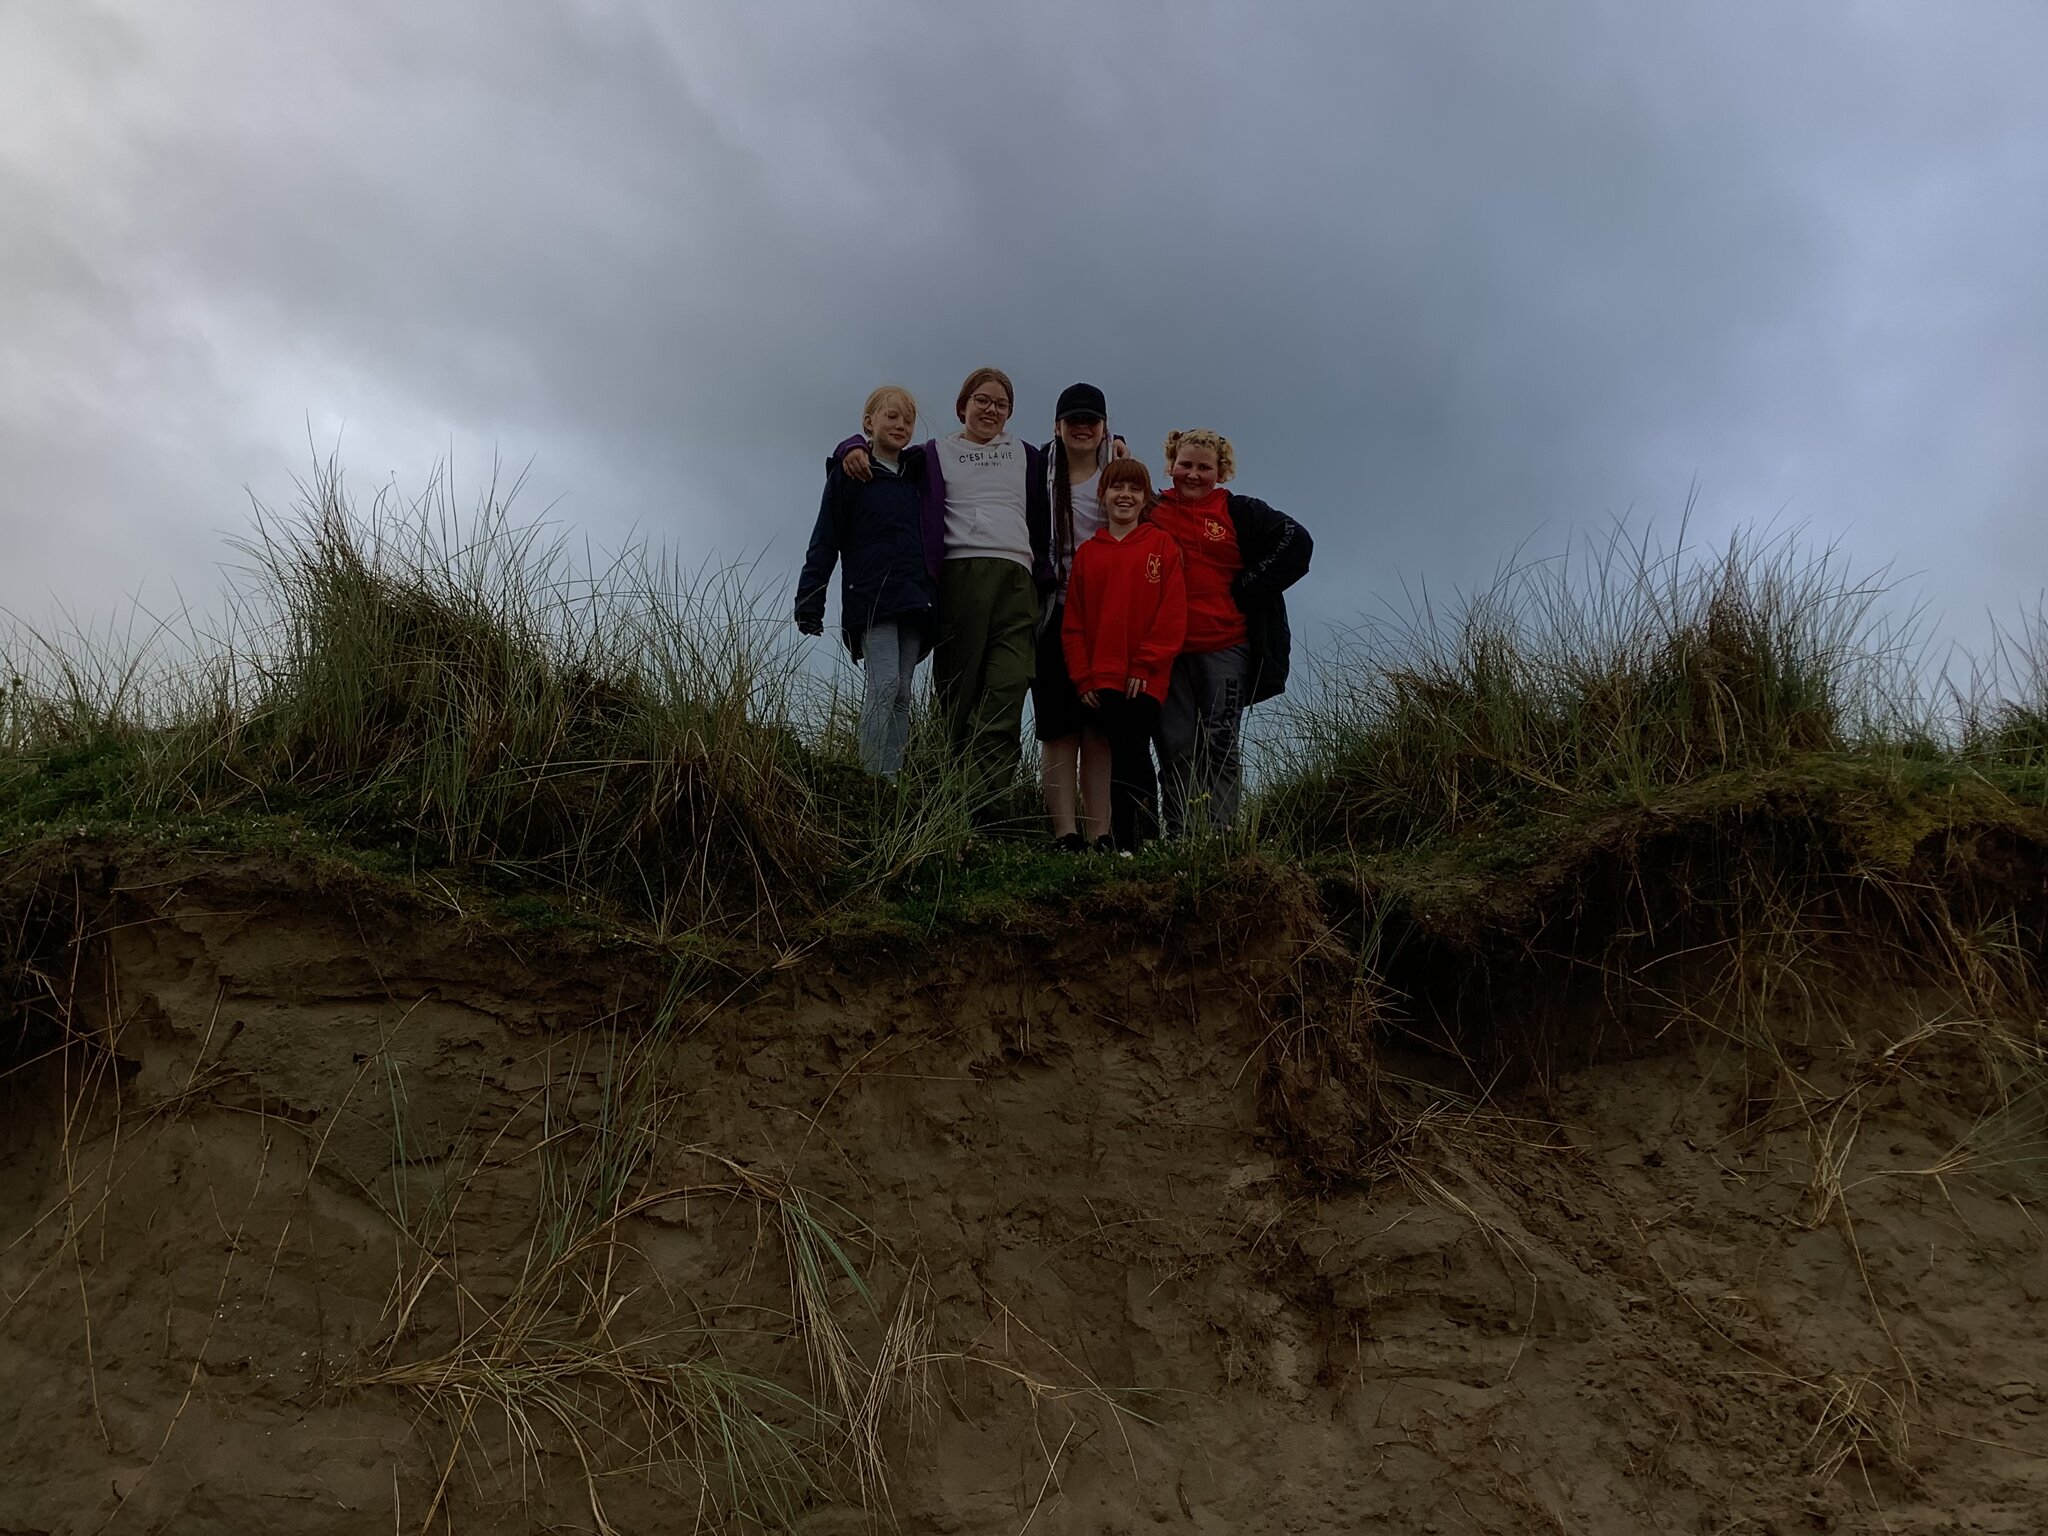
873	529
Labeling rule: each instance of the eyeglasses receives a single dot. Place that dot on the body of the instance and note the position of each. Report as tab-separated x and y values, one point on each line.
990	403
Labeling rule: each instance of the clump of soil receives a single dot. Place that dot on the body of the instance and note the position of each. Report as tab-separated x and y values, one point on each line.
326	1211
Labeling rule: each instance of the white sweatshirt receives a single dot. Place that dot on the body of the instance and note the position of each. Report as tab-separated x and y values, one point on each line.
985	498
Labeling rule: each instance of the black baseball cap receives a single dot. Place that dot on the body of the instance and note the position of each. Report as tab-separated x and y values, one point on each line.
1081	400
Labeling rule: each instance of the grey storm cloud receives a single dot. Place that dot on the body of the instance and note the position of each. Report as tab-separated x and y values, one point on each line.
1454	277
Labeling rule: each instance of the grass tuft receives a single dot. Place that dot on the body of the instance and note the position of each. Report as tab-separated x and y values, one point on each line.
621	733
1607	675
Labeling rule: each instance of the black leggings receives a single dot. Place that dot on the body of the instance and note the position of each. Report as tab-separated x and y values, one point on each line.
1127	724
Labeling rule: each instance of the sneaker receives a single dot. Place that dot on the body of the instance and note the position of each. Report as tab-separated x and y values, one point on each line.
1103	844
1071	842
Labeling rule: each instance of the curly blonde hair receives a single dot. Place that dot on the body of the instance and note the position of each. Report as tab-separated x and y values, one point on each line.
1202	437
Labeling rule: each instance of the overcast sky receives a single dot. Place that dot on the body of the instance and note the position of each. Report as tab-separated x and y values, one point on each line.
1453	274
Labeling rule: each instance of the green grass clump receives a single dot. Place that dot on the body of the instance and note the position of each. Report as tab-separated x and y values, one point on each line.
1606	676
2005	710
623	733
458	686
89	776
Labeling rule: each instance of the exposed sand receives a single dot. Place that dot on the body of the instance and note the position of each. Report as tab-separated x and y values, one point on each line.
1634	1307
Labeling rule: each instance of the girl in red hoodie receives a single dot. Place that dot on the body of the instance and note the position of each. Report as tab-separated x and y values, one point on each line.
1126	616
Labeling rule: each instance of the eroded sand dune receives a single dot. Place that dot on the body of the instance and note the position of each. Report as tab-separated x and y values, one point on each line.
329	1213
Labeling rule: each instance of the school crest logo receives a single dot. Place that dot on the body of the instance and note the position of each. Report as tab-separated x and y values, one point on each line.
1214	531
1153	567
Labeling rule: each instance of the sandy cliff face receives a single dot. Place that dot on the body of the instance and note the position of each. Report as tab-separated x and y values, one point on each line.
325	1213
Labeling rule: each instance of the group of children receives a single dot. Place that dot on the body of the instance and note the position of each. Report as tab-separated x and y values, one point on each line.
1136	621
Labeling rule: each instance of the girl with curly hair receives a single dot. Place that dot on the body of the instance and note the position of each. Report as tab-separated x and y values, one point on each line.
1239	555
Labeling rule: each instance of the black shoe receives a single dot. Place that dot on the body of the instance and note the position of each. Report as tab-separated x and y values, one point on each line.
1072	842
1103	844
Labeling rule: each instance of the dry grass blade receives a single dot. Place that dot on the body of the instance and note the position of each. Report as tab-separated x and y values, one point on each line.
2009	1142
560	1352
707	1427
1856	1417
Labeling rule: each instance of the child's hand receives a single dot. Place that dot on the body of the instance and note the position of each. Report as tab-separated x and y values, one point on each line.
1119	449
811	626
1134	687
1092	698
856	464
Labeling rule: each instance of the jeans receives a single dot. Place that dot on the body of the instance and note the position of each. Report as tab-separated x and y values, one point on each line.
1200	763
890	652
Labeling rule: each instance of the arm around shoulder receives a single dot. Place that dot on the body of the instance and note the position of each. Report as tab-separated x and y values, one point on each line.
852	456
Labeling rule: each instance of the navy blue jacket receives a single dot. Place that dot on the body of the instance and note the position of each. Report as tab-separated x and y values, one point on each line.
874	531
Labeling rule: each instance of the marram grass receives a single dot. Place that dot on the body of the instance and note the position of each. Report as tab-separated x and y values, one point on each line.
470	691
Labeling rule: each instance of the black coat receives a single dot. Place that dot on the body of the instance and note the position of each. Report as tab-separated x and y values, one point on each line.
873	531
1275	550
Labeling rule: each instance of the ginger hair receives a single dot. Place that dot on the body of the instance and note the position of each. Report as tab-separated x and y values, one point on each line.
1202	437
1126	472
888	394
975	380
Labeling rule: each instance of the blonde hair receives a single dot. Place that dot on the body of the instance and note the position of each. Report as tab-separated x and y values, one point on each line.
975	380
1202	437
888	394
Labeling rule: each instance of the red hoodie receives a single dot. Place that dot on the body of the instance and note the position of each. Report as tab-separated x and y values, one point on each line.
1208	543
1127	610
